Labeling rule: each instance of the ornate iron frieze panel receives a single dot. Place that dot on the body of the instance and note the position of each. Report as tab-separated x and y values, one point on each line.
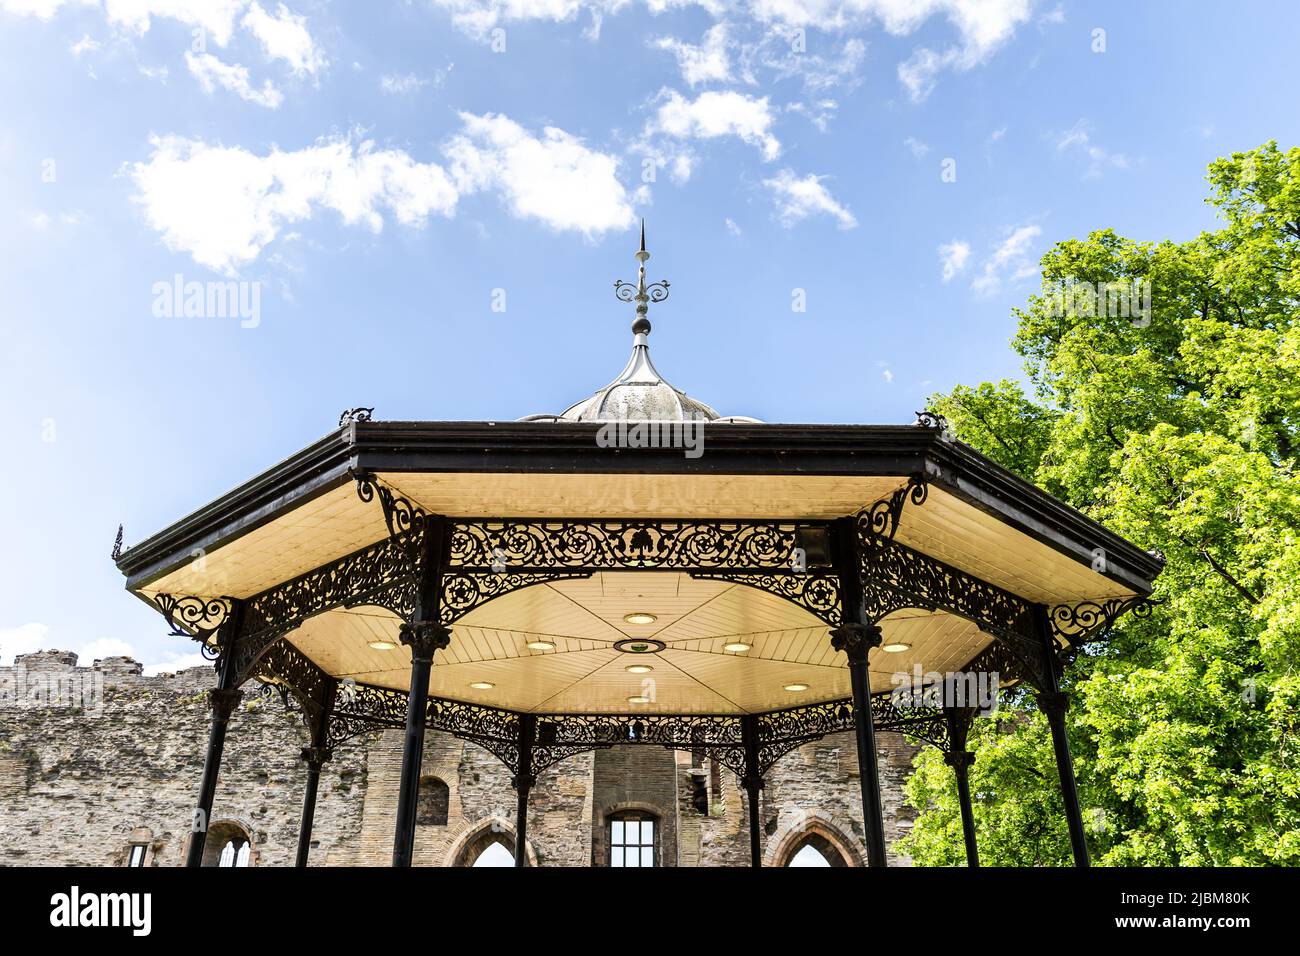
541	544
462	591
377	575
361	709
814	591
286	669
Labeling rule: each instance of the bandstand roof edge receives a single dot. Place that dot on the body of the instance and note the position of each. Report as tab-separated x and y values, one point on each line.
758	471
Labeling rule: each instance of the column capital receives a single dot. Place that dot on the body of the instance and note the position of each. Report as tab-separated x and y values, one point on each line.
959	759
752	780
223	701
1053	703
424	637
855	640
316	757
526	780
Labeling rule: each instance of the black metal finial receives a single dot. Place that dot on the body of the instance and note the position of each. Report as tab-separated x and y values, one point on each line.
641	293
117	544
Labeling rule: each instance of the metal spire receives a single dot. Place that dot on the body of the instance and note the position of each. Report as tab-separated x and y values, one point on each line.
641	293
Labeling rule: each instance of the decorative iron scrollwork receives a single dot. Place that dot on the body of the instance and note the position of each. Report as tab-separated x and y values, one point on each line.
286	670
931	419
817	592
191	616
464	591
1079	623
117	544
882	518
358	414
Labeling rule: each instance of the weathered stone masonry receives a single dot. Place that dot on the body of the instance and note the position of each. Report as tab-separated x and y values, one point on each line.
78	788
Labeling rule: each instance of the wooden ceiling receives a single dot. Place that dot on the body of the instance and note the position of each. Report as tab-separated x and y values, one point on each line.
584	673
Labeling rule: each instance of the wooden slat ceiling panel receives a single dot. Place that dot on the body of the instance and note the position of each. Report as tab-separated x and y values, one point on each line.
583	674
952	531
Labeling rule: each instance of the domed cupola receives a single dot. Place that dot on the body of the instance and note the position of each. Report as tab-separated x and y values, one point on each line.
639	393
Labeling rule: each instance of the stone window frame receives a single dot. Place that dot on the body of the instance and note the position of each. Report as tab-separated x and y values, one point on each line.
823	833
643	813
427	783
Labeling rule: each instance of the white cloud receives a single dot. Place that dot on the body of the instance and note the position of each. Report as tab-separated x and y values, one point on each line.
983	26
714	114
224	205
401	84
212	73
707	62
104	647
554	178
1078	138
953	257
85	45
176	662
918	148
1010	258
819	113
23	639
732	227
215	17
285	37
797	199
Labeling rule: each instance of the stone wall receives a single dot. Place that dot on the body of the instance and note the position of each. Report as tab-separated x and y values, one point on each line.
79	786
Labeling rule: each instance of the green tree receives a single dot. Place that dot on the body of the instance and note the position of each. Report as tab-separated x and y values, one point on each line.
1176	427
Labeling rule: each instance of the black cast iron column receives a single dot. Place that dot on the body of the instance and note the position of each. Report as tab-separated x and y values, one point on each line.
753	784
1053	702
856	637
523	783
223	699
423	635
423	638
316	758
958	718
960	761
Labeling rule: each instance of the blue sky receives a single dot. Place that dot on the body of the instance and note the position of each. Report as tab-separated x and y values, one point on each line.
383	172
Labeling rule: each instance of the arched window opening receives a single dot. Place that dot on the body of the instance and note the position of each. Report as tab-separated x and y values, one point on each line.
431	806
808	855
228	845
814	849
633	839
495	854
488	844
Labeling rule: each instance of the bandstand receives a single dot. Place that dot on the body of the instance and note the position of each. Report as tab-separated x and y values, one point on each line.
541	588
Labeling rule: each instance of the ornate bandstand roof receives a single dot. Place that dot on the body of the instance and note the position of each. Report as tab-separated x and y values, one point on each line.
573	572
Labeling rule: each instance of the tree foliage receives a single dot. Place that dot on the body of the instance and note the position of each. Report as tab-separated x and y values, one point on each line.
1177	429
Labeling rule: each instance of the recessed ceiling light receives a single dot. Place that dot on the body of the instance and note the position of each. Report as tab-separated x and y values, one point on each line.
640	617
381	645
540	645
736	647
896	648
638	699
482	685
796	687
638	668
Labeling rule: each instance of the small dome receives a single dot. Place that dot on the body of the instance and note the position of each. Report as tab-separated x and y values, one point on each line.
639	393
